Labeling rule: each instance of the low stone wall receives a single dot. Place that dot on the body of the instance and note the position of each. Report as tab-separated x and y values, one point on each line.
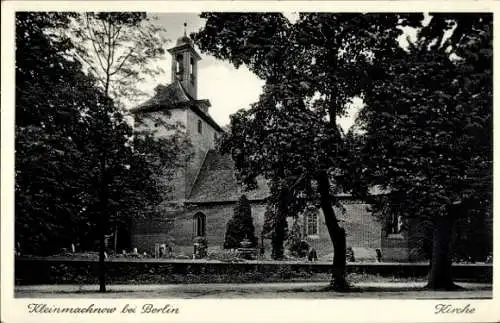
141	271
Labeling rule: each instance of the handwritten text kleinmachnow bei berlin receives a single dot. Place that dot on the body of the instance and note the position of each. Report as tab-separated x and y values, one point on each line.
93	309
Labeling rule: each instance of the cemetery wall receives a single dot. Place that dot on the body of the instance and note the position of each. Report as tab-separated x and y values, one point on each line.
40	270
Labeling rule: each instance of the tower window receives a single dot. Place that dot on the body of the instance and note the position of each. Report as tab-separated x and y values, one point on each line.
191	71
199	221
199	126
178	66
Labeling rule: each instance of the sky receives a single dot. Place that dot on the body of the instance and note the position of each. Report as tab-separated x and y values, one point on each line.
228	89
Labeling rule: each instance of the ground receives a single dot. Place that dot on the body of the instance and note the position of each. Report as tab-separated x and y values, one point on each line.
386	290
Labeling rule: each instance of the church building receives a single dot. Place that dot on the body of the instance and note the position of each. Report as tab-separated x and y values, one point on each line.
205	191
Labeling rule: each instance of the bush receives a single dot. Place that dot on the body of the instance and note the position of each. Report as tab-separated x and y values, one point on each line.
241	226
298	247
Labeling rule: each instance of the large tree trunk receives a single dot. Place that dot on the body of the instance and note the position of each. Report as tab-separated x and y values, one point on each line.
279	234
337	235
440	275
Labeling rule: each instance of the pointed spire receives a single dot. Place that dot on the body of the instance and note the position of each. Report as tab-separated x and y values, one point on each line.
185	27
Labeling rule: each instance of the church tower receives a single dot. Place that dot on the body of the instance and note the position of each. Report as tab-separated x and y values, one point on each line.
180	99
185	64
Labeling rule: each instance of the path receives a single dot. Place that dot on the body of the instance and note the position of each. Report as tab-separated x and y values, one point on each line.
385	290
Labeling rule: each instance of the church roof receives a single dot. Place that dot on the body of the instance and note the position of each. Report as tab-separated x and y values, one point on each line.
174	96
165	97
217	182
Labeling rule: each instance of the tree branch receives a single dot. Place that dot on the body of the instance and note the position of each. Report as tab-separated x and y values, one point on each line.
121	64
94	41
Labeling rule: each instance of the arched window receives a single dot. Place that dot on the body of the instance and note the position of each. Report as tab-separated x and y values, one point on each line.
199	221
312	223
199	126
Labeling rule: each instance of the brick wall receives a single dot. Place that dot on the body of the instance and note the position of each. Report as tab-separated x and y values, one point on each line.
217	217
363	231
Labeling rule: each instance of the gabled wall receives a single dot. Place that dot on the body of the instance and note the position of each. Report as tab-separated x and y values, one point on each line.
201	144
177	184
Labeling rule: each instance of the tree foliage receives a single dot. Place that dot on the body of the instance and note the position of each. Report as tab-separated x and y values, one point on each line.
120	50
47	89
312	69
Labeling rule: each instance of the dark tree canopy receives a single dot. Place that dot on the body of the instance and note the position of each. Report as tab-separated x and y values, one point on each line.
428	120
428	129
312	69
74	148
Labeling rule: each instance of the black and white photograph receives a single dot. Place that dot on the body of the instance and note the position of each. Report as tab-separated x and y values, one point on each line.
249	155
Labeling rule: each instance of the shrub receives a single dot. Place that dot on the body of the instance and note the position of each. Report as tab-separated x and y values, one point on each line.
241	226
298	247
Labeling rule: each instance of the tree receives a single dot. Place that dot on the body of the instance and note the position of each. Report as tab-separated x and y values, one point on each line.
48	87
119	49
79	170
428	126
312	69
241	226
123	47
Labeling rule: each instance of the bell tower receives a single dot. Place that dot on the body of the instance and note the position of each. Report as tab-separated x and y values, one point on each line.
185	64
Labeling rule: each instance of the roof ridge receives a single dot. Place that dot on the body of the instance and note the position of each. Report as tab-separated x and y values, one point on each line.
188	96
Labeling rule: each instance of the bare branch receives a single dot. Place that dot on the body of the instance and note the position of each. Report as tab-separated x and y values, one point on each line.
117	32
92	34
124	77
94	41
121	64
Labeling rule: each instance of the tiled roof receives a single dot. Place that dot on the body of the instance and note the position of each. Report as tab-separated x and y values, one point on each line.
173	96
217	182
166	97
